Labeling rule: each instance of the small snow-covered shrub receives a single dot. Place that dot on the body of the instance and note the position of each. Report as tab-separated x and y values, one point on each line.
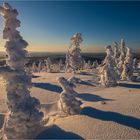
68	103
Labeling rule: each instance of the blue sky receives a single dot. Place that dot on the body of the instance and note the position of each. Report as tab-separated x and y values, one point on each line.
48	25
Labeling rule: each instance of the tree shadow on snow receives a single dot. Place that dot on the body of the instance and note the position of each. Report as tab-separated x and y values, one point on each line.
85	73
54	132
86	83
34	76
112	116
48	86
1	120
92	97
137	86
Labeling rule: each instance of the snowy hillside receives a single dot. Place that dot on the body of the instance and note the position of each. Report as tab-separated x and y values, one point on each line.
107	113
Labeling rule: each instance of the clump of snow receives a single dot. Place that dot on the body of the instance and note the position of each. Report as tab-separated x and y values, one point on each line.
23	117
68	103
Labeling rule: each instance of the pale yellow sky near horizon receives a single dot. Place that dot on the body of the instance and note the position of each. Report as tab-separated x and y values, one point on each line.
37	47
55	47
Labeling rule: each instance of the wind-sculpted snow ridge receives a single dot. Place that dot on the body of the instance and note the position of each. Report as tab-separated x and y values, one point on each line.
108	73
23	117
68	103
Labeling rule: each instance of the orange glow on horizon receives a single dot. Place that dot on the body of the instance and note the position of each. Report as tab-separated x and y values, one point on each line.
61	48
55	48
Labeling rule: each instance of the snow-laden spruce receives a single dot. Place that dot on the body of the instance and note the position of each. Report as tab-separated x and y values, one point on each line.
40	66
135	64
23	117
95	64
88	65
116	52
73	56
122	56
68	104
108	75
60	65
48	64
34	67
127	73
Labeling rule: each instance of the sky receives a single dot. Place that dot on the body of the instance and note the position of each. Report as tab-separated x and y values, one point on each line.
48	25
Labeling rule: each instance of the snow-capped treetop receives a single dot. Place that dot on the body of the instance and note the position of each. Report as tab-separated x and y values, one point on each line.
73	56
109	57
127	73
66	85
7	5
49	60
122	42
109	50
129	55
76	40
122	46
15	46
116	51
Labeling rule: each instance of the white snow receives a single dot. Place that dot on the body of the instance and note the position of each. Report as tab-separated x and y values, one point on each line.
118	118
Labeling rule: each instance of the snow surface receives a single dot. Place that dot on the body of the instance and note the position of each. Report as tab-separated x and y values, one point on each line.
107	113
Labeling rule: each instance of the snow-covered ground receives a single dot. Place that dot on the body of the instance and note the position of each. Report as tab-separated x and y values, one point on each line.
107	113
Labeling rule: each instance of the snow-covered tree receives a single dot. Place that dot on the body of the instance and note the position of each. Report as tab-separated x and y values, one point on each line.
135	64
60	65
34	67
116	52
48	64
40	66
89	64
67	61
68	104
127	72
23	117
73	57
95	64
122	56
108	76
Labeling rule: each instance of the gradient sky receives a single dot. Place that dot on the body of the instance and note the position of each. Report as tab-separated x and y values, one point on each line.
49	25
